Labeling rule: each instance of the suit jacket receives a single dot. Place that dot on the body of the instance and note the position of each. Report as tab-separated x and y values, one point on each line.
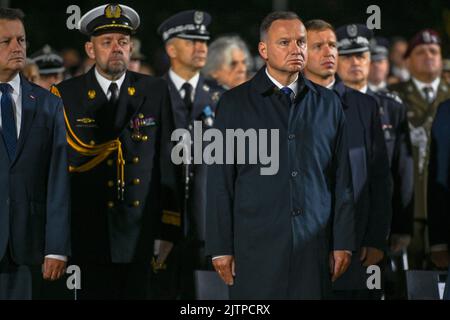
398	143
371	180
439	178
420	116
107	228
34	202
280	228
206	94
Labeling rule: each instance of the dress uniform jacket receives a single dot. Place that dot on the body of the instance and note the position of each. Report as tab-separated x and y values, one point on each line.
206	94
280	228
111	224
420	116
371	183
398	143
439	178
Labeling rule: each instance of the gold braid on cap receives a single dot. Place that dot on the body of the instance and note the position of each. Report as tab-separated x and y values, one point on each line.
99	152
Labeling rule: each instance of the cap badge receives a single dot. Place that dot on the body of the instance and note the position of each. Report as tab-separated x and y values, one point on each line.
352	30
198	17
113	11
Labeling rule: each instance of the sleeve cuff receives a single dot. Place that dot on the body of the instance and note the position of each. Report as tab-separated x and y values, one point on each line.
56	257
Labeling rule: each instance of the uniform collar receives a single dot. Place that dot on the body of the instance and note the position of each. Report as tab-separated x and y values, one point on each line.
420	85
179	81
105	83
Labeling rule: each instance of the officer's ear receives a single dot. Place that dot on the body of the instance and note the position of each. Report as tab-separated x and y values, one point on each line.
171	49
262	48
89	48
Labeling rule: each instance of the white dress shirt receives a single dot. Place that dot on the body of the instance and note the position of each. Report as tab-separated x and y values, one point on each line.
105	83
179	81
420	85
292	86
17	102
17	106
363	89
377	87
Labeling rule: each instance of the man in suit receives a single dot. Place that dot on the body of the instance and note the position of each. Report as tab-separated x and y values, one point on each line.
439	187
34	202
421	94
367	153
119	126
193	98
289	234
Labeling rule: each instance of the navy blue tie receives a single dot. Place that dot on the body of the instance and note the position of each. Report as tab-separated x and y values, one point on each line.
288	93
8	120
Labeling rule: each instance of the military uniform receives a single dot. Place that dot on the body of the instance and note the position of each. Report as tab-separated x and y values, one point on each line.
119	155
420	115
188	255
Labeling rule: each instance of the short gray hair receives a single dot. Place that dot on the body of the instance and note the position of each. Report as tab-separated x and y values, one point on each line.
220	51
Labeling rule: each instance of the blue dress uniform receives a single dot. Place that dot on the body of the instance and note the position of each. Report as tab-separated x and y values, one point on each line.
370	168
281	228
188	255
371	185
119	155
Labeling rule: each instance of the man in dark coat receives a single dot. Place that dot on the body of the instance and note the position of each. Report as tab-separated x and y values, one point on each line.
285	234
34	201
439	187
119	126
368	161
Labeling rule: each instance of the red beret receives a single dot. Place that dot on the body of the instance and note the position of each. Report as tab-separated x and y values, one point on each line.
427	36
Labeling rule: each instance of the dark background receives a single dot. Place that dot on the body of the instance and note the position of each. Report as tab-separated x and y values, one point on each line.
46	19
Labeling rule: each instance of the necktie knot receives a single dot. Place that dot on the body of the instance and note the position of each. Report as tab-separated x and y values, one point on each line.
6	88
429	93
114	90
287	91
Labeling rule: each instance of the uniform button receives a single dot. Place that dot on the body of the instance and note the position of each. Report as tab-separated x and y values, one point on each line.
110	162
110	183
291	137
136	160
144	138
294	174
136	203
190	127
296	212
92	143
110	204
136	181
191	174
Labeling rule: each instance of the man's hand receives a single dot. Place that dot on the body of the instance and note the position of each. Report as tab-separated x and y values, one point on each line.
440	259
53	269
225	268
400	242
339	262
371	256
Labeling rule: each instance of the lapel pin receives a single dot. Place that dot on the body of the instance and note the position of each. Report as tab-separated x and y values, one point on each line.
92	94
131	91
206	87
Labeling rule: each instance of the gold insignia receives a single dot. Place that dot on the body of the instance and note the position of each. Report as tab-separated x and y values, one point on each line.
141	116
92	94
131	91
86	120
113	11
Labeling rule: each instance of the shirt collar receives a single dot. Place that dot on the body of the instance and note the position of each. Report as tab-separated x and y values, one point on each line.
15	84
179	81
293	86
331	85
363	89
420	85
105	83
